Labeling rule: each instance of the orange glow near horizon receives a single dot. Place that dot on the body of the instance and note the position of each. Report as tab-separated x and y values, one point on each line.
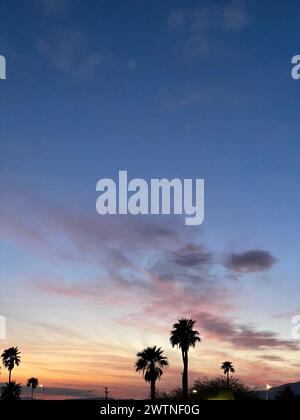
68	362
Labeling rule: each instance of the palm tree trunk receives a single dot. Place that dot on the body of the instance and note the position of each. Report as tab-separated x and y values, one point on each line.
227	380
31	392
9	376
185	385
152	390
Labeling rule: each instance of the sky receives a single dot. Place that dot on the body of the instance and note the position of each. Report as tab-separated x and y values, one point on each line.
172	89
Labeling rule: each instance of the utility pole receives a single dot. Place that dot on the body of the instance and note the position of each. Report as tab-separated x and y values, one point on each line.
106	392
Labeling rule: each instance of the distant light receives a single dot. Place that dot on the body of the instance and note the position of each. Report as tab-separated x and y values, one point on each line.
195	391
268	387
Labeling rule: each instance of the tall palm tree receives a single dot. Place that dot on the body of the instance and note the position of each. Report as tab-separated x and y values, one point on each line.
33	383
11	391
228	368
183	336
11	358
152	363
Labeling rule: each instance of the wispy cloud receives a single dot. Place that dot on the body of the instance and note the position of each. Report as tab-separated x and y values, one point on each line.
71	52
241	336
54	7
235	15
200	28
163	303
172	99
192	255
271	358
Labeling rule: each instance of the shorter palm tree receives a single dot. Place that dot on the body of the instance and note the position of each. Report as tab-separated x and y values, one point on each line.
228	368
33	383
152	363
11	391
11	358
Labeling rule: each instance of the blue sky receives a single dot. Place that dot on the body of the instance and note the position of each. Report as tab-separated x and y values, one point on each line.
162	89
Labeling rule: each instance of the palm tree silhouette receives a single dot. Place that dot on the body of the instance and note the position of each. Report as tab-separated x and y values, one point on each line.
11	357
184	337
152	363
33	383
11	391
228	368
